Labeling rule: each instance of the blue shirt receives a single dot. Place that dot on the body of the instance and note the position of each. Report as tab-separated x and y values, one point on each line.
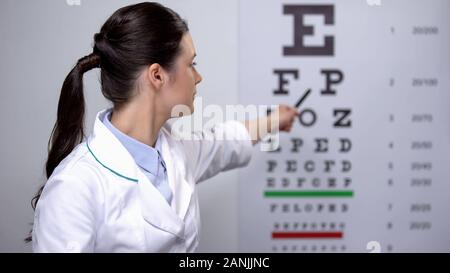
148	159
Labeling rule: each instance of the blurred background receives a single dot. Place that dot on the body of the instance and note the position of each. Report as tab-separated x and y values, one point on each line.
378	109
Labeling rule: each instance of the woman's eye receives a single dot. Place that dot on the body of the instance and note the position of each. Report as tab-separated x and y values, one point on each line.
194	64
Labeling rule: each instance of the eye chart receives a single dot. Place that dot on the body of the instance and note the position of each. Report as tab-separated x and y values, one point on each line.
366	167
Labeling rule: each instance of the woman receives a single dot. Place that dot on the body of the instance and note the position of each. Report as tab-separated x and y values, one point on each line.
131	185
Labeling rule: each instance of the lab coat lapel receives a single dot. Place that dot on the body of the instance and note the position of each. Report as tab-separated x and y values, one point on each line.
155	209
182	190
113	157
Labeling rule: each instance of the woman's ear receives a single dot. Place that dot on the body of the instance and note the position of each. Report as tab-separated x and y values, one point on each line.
156	75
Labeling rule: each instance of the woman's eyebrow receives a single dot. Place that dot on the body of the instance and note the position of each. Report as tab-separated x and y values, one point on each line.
195	55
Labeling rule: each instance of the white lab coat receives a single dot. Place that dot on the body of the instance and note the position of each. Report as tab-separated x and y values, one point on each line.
98	200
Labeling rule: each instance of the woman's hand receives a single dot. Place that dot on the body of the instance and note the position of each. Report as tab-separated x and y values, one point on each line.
285	116
282	119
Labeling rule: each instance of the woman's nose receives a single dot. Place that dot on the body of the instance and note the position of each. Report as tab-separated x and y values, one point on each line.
199	78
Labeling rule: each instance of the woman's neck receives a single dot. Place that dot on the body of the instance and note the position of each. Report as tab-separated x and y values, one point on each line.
139	120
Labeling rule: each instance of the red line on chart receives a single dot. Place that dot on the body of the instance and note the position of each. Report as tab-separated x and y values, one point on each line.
307	235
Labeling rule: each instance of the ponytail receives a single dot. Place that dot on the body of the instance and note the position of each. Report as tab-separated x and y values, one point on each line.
68	130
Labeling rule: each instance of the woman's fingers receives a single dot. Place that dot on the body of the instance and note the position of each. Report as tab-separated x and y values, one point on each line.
287	115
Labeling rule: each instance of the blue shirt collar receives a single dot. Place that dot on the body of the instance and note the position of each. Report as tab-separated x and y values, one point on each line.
146	157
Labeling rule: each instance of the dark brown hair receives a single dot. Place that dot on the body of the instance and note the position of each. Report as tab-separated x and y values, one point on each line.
132	38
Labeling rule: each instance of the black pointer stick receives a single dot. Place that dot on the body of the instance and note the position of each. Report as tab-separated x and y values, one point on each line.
300	101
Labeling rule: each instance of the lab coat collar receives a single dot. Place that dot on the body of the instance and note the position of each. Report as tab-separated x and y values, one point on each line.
113	156
145	156
109	152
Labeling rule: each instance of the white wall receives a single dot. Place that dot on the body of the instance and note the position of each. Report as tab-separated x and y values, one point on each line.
40	42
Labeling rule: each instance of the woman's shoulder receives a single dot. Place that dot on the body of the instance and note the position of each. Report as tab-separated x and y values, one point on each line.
75	160
79	168
74	181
